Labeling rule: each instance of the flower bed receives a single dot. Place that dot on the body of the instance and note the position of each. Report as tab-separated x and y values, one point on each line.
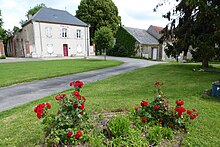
151	123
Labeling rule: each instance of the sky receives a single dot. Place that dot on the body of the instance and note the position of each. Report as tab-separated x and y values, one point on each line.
134	13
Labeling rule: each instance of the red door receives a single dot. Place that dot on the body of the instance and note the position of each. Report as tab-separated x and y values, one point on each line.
65	49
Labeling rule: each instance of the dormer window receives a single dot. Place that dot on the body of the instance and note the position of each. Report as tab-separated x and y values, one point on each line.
78	33
64	33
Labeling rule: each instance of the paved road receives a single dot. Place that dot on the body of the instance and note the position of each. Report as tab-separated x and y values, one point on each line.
19	94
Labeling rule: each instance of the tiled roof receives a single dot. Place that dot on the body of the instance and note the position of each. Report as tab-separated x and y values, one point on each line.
56	16
142	36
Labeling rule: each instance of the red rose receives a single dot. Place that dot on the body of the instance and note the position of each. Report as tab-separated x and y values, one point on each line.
76	93
40	110
75	105
69	134
160	119
180	113
48	105
180	110
144	120
171	126
78	134
157	83
81	113
42	105
179	103
136	108
77	84
156	107
39	115
60	96
194	110
144	103
35	109
71	83
192	117
189	112
82	106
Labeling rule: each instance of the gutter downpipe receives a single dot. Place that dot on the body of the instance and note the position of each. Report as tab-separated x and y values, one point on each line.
41	45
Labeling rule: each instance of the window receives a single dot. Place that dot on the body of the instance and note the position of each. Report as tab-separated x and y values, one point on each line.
64	33
78	33
48	32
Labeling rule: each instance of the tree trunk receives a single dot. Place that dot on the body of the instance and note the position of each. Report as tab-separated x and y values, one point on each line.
205	63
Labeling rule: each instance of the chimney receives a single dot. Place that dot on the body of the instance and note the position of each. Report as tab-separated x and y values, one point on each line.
29	16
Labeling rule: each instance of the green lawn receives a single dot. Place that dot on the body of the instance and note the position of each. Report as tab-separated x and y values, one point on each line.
17	72
20	127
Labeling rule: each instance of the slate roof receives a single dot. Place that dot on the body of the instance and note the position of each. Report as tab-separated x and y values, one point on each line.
56	16
155	31
142	36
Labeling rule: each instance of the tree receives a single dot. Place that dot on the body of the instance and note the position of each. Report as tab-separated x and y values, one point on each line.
99	13
197	25
34	10
3	32
103	39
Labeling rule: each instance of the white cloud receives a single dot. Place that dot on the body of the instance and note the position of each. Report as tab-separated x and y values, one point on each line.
134	13
139	13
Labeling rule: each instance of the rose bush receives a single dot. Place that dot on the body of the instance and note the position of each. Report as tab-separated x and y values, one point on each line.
160	112
64	127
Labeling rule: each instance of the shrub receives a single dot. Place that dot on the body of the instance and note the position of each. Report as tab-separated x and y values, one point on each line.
103	39
160	112
118	50
2	57
65	127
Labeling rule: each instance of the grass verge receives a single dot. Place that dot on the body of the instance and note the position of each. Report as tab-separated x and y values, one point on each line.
18	72
20	127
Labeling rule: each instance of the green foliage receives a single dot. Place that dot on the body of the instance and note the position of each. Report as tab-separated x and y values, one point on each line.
157	133
103	39
119	126
15	29
1	22
125	44
198	25
35	9
2	57
63	127
99	13
3	33
133	137
96	140
160	112
118	50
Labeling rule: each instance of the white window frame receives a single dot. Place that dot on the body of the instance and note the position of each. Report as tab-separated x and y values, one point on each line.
64	32
78	34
